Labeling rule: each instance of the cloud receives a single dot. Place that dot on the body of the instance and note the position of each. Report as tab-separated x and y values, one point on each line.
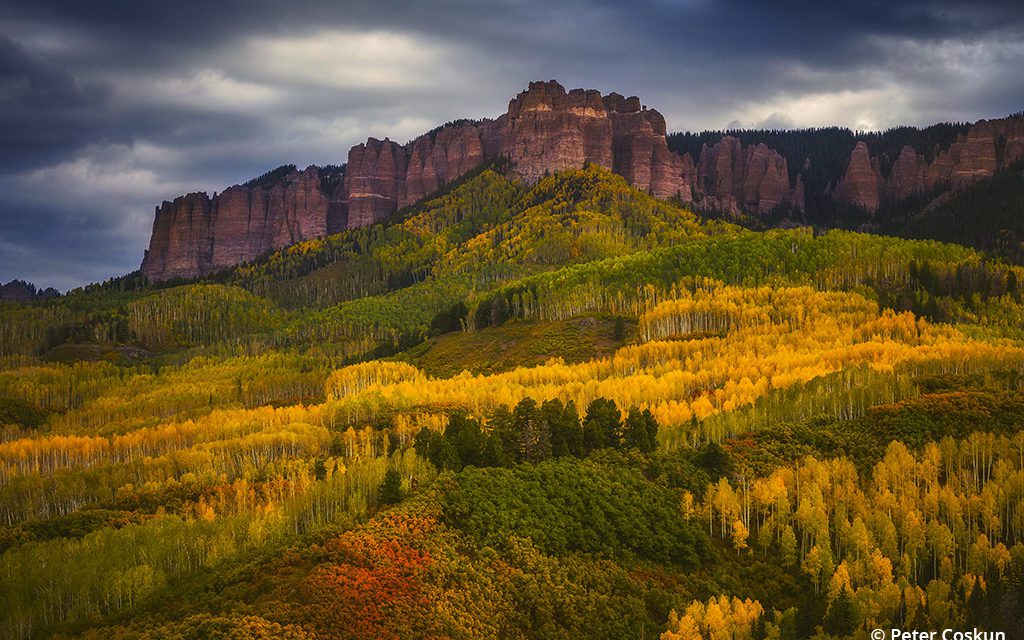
205	89
347	59
45	112
108	108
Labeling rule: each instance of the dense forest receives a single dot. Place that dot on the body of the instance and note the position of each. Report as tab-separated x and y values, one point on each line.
560	410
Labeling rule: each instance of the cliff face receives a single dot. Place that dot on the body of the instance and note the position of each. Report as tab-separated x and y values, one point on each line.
735	178
547	129
861	184
989	146
196	234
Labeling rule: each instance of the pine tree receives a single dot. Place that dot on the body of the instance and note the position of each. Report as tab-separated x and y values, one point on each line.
466	437
635	433
390	491
564	427
601	426
842	615
534	433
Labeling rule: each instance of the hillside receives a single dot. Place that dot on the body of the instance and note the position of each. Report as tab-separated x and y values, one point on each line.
829	177
556	407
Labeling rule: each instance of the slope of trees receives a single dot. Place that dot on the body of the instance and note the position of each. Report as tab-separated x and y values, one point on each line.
782	435
985	216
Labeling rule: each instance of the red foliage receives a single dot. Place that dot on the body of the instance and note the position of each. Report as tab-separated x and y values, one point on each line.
370	585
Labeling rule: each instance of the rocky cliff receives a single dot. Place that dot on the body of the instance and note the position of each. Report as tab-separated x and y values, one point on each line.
544	129
989	146
196	234
547	129
735	178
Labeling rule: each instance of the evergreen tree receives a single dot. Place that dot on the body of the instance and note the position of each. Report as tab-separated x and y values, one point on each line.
715	460
976	606
501	448
601	426
445	455
634	431
842	615
564	424
652	430
466	437
390	491
421	443
534	434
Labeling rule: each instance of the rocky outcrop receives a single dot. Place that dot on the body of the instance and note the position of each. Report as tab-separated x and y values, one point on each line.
731	177
977	156
545	129
181	245
907	177
195	234
548	129
440	157
21	291
374	179
861	185
640	153
989	146
1011	131
249	222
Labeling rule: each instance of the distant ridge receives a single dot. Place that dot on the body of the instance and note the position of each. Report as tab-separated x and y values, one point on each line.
21	291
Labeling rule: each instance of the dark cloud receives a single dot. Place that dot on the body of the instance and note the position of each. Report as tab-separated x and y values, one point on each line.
45	113
107	108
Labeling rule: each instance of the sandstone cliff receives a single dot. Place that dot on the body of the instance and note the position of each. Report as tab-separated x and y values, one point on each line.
547	129
735	178
544	129
861	184
196	234
989	146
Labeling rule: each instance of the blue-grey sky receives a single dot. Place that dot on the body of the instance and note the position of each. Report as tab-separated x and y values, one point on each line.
108	108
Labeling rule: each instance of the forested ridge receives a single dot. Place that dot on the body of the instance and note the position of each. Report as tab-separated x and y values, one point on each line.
562	410
985	215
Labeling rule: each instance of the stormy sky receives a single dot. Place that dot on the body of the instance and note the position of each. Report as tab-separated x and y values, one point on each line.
108	108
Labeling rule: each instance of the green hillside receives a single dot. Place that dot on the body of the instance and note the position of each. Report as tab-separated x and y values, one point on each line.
563	410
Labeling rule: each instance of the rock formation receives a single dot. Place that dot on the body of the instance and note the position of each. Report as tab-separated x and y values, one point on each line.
545	129
735	178
989	146
907	176
861	185
21	291
196	234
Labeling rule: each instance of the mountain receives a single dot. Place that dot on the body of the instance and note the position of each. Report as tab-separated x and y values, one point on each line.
545	129
878	172
830	177
195	234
